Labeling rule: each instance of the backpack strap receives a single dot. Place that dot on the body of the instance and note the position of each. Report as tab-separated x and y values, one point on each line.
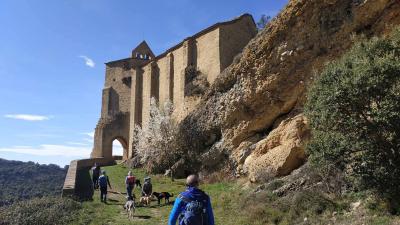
184	198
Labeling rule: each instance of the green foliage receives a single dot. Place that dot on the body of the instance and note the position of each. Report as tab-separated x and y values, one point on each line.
47	210
21	180
264	20
354	113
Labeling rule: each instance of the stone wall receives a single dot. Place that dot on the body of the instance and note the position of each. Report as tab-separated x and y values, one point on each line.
131	83
208	54
78	181
233	38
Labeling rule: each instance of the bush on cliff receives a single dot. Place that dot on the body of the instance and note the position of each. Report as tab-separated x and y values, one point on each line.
354	113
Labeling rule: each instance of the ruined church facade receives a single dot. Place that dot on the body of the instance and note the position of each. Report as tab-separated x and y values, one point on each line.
131	83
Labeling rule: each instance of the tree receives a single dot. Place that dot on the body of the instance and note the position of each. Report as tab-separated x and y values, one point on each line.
156	144
354	113
264	20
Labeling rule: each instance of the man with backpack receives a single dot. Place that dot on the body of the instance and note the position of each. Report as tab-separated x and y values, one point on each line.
130	184
193	206
103	181
95	176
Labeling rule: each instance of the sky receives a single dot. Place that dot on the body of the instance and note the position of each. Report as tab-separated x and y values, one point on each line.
52	55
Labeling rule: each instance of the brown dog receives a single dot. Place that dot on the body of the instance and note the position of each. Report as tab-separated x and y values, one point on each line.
145	200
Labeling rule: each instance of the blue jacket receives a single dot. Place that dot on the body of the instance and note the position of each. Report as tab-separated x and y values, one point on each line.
179	205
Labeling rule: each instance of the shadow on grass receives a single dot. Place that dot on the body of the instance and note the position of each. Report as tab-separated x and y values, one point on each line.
162	204
109	202
142	217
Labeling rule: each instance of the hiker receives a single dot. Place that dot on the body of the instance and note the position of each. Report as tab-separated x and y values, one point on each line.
130	184
147	188
95	176
193	206
103	181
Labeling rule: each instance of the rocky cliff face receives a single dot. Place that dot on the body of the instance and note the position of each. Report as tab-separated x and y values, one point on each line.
251	117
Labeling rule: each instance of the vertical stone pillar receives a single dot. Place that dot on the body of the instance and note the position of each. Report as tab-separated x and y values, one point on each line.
155	84
150	89
189	47
170	74
136	106
166	81
105	102
179	79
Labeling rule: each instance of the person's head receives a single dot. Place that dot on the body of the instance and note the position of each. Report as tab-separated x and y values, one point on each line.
192	181
147	179
130	173
103	172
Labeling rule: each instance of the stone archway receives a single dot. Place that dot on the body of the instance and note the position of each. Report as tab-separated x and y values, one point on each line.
124	145
107	131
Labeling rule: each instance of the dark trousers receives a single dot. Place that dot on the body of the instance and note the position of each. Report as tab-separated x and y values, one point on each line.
129	191
103	193
95	182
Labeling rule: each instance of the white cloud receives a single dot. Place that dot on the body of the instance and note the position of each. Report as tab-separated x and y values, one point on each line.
27	117
88	61
90	134
88	140
77	143
51	150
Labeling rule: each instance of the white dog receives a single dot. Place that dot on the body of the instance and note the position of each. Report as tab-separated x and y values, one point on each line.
130	208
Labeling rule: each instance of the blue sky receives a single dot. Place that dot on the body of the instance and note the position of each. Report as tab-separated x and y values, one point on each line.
52	56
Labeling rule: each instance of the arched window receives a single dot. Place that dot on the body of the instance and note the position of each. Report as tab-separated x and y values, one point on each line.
117	148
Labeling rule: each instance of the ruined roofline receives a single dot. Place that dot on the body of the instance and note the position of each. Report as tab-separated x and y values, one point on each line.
122	60
201	33
198	34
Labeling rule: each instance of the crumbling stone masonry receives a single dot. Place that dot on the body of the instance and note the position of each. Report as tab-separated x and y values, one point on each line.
131	83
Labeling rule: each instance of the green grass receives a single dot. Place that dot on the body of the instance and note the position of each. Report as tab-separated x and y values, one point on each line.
232	203
224	197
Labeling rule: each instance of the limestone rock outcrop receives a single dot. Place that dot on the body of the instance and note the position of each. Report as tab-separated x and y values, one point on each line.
282	151
267	83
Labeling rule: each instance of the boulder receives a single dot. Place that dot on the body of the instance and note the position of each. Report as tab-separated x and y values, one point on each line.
280	152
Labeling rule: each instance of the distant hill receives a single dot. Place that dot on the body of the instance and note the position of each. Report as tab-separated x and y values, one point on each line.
26	180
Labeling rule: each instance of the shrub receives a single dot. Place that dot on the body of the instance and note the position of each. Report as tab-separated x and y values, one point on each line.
156	145
354	113
47	210
196	82
264	20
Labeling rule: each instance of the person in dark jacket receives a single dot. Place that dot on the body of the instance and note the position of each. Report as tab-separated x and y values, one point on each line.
188	200
103	181
147	188
95	176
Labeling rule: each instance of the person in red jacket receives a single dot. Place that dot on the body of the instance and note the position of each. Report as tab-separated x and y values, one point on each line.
130	184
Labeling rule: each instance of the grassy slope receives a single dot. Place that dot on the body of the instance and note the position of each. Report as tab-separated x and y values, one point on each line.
232	204
223	196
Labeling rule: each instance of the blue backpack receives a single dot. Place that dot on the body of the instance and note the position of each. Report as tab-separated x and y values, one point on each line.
103	181
195	212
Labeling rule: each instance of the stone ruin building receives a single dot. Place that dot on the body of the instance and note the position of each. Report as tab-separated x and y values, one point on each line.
131	83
